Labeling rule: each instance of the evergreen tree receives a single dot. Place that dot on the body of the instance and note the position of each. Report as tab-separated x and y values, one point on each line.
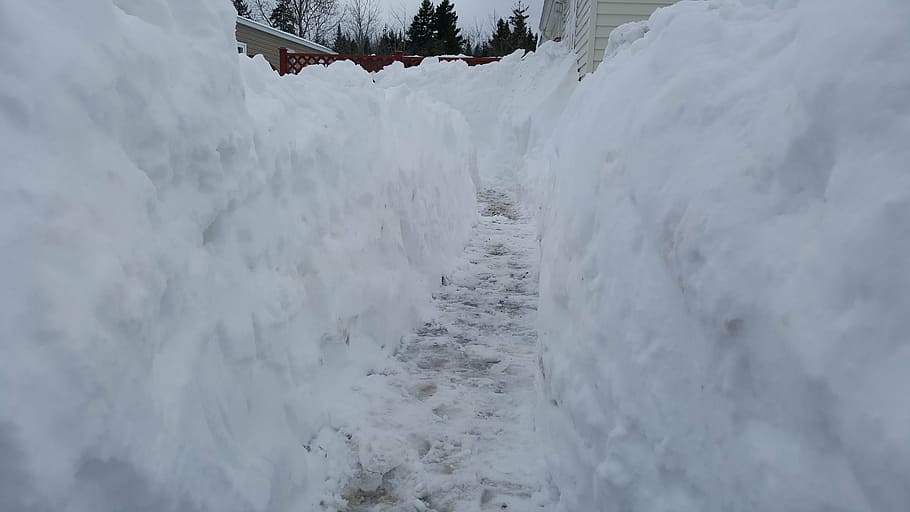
361	45
522	37
283	18
501	42
422	32
242	8
343	43
448	35
390	42
513	34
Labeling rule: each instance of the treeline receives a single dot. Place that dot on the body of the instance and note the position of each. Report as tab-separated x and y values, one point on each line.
434	31
355	27
509	35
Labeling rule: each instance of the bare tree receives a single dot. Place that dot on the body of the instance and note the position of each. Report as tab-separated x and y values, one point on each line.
476	35
492	19
261	11
313	19
361	17
400	21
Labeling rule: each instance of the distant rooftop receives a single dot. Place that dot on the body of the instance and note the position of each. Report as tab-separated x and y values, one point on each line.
284	35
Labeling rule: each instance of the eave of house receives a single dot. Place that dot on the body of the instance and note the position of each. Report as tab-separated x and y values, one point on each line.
283	35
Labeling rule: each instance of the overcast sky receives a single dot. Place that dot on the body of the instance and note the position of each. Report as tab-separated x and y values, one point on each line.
470	10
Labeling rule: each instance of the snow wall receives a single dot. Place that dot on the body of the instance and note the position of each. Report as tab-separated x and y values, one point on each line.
201	261
510	105
724	286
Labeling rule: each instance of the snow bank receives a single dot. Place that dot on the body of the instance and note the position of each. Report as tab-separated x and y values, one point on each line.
510	105
724	264
201	261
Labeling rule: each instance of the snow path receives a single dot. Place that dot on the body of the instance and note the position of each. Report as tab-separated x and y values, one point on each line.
459	436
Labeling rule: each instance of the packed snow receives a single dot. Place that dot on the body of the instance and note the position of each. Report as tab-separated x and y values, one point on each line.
458	435
201	260
724	276
226	290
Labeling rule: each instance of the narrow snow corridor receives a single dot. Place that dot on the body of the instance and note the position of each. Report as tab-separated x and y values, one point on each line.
463	416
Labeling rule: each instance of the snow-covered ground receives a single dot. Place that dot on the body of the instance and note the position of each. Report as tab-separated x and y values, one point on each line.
459	434
725	272
229	291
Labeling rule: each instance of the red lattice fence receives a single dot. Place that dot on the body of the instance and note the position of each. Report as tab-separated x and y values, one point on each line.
294	62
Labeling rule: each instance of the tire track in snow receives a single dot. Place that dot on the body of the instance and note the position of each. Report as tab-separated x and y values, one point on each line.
460	437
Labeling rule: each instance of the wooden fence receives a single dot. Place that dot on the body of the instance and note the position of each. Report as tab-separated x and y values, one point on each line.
293	62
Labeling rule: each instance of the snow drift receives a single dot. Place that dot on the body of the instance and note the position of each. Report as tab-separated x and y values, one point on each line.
724	264
509	105
201	260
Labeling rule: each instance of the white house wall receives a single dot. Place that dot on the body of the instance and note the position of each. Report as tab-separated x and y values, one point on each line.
586	24
585	19
611	14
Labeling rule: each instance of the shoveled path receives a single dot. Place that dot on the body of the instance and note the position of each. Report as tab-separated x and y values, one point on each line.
460	437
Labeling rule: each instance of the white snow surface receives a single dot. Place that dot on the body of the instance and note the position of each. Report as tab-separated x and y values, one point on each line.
725	238
509	105
215	278
201	261
458	435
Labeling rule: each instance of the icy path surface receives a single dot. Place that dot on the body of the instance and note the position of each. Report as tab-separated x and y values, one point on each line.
459	437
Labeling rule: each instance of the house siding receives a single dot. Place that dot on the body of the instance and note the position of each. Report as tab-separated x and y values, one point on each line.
587	24
267	45
611	14
583	42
